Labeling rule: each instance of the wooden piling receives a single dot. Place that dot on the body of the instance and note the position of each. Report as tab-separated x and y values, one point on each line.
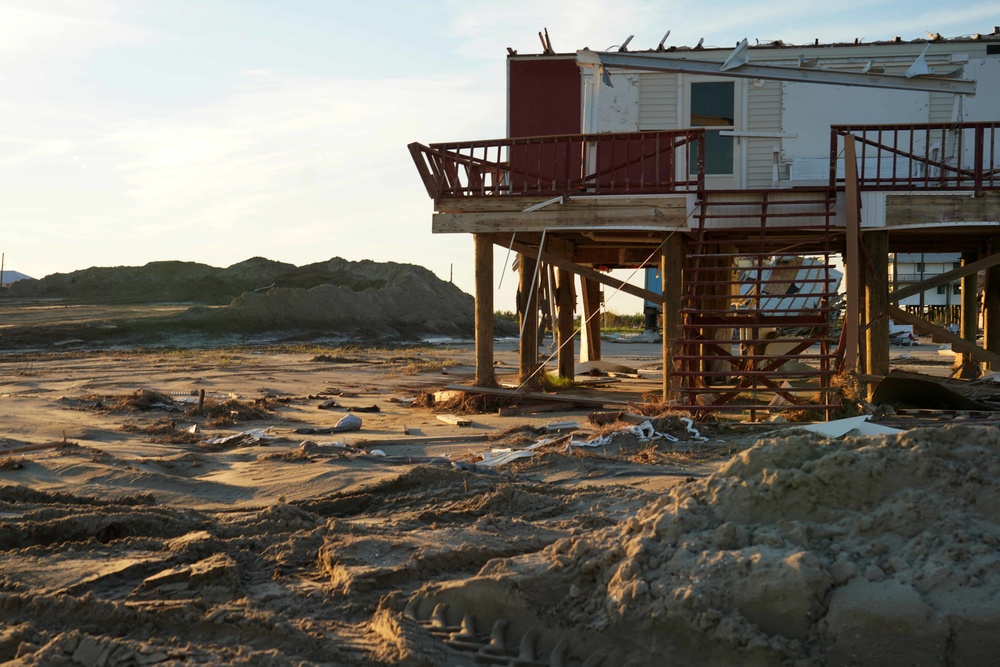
485	376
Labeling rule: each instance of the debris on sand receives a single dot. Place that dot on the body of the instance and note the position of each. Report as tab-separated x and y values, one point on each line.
253	437
164	431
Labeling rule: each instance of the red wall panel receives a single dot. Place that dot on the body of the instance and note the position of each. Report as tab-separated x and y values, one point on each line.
543	96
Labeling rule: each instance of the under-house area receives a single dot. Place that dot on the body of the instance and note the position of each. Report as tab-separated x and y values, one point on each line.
767	190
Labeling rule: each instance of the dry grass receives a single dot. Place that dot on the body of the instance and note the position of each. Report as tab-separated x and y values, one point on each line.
232	412
215	413
11	463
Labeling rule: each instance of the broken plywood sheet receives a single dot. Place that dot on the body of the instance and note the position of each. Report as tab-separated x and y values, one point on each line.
454	420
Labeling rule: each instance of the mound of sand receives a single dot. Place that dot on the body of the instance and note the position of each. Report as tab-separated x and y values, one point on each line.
174	281
368	299
265	299
875	551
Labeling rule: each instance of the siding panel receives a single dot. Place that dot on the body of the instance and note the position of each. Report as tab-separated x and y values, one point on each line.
658	101
763	115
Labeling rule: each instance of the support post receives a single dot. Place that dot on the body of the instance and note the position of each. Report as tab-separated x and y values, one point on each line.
969	327
991	307
485	376
877	303
671	275
852	264
527	308
565	302
590	325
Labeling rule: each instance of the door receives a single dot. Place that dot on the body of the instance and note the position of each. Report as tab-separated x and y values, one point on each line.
716	105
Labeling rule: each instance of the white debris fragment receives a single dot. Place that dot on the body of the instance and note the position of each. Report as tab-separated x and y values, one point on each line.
695	433
252	436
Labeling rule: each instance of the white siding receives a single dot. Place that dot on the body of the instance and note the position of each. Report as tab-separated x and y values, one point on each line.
763	115
658	101
941	108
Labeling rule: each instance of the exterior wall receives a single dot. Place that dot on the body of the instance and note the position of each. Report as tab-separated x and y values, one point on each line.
941	108
808	110
543	96
803	112
763	115
658	102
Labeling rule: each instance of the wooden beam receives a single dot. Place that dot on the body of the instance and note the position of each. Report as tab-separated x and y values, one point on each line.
939	335
852	261
484	309
513	393
554	217
586	272
516	205
946	278
904	209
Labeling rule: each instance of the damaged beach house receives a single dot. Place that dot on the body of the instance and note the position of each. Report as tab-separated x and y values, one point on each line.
767	186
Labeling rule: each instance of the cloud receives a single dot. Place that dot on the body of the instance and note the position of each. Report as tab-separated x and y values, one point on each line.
290	138
33	28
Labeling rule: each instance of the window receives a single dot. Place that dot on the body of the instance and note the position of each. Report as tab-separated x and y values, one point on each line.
713	106
920	267
956	265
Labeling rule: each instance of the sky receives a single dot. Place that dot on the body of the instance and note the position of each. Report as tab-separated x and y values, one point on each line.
214	131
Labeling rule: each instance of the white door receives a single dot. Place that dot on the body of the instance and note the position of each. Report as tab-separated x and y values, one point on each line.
715	104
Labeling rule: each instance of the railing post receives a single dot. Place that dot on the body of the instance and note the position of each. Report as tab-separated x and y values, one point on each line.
417	153
979	159
701	161
834	133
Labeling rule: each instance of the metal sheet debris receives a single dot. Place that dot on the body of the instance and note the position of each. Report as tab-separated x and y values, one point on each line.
840	427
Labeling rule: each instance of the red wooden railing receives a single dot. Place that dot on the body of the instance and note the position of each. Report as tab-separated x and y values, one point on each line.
622	163
932	156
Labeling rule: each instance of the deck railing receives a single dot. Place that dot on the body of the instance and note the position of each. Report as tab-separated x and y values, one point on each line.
932	156
613	163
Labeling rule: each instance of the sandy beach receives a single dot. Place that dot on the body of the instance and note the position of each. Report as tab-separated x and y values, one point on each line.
136	531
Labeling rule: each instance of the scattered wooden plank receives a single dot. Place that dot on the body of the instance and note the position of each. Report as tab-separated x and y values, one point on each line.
562	426
533	409
454	420
31	448
423	440
581	400
594	382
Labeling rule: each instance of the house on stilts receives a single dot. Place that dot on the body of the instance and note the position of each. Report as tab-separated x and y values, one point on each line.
746	176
